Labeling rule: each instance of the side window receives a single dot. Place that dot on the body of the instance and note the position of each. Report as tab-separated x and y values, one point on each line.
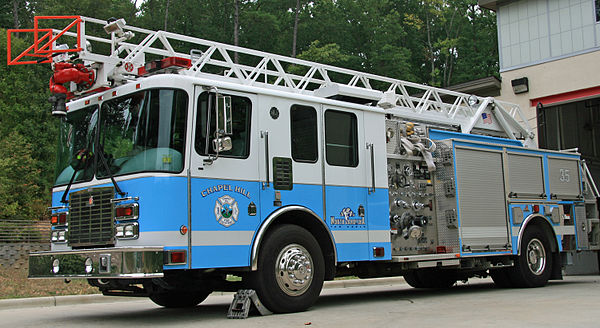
341	138
241	110
303	120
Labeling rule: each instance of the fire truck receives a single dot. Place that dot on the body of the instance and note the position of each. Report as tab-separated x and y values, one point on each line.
184	162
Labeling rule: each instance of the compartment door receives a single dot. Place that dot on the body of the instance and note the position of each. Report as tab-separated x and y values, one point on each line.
481	200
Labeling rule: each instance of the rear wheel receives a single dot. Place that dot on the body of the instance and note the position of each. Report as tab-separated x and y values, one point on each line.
413	280
534	266
291	270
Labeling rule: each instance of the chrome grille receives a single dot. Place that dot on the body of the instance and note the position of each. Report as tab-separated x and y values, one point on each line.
91	218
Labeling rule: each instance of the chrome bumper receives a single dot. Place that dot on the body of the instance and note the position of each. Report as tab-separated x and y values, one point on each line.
141	262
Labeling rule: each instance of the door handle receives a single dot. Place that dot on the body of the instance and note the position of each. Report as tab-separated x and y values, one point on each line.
265	135
372	148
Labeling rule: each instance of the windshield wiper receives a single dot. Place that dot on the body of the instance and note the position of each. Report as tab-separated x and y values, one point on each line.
110	175
80	162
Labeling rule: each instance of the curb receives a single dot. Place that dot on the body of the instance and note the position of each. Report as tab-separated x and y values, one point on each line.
50	301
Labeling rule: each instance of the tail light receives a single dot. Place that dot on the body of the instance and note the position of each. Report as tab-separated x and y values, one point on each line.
175	257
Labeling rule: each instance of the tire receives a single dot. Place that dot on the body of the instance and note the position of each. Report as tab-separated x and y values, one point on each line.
534	266
412	279
431	278
501	278
178	299
290	271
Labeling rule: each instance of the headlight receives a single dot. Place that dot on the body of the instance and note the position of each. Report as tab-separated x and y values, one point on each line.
473	100
89	265
55	266
127	230
58	236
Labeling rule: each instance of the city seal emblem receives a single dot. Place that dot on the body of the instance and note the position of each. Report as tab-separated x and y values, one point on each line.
226	211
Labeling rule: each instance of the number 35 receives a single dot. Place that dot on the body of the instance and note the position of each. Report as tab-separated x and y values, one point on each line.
564	175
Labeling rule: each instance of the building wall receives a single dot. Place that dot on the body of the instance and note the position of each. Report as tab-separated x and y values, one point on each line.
537	31
552	78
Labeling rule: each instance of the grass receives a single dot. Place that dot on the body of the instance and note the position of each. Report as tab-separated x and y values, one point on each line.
14	284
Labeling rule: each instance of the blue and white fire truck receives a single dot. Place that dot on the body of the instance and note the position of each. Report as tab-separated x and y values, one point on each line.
179	166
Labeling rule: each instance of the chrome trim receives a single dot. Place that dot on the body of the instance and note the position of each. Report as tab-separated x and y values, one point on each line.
60	207
117	200
536	257
293	270
130	262
524	225
270	219
426	257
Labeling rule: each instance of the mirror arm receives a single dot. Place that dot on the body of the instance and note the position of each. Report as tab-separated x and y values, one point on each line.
210	159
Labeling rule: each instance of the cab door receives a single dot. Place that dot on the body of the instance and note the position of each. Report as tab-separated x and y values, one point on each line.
224	188
290	163
346	184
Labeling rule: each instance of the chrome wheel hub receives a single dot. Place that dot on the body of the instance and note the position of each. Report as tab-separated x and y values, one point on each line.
536	256
293	270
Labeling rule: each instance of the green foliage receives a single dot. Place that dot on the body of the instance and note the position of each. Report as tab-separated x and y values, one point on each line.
20	191
27	138
329	54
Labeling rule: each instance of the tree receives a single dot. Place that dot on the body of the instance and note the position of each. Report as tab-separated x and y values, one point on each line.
296	20
20	188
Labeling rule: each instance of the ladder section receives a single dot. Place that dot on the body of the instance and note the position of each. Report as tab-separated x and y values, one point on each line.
121	50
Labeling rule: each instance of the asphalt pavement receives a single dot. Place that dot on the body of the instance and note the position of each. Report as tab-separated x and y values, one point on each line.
572	302
99	298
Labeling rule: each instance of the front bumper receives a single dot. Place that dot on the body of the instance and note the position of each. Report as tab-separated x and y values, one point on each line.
130	262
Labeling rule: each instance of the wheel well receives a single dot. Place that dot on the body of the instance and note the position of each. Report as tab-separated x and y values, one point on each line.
308	221
546	228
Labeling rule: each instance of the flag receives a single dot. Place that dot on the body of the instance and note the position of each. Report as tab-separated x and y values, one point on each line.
487	118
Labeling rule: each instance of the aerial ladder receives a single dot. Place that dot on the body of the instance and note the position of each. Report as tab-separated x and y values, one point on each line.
127	50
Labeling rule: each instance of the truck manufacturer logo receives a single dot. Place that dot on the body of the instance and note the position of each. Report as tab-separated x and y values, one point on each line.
91	201
226	211
345	218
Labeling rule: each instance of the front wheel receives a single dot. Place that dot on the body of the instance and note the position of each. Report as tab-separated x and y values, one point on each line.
291	270
534	266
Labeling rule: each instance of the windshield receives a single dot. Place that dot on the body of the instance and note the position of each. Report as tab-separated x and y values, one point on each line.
77	132
144	131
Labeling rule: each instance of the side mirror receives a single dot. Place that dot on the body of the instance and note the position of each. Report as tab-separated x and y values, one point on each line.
222	144
224	117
